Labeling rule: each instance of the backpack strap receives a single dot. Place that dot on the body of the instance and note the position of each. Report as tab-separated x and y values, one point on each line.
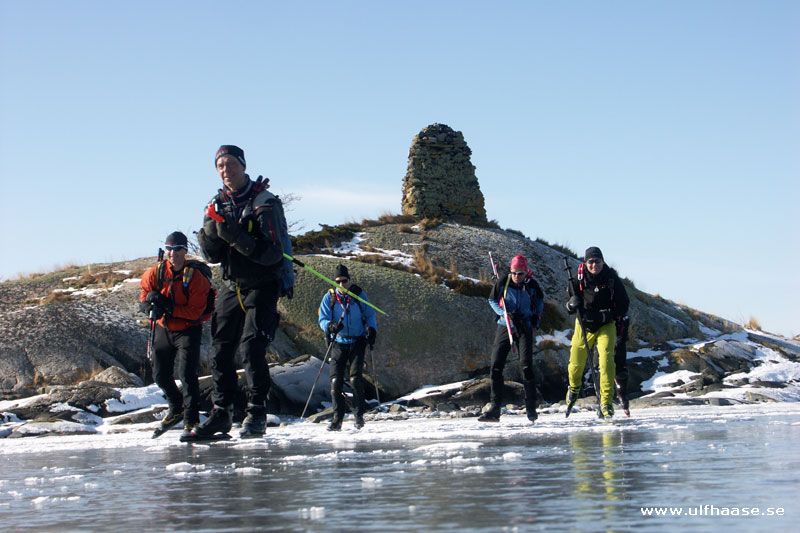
161	269
188	271
355	289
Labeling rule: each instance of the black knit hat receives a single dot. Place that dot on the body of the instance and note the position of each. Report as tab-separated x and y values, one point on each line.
591	252
176	238
229	149
341	272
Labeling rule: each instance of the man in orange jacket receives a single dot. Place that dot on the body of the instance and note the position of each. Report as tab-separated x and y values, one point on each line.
178	303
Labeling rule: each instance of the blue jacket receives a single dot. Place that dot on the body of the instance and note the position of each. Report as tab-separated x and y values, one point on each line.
357	319
526	297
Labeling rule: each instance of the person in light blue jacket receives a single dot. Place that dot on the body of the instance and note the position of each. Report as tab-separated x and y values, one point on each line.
518	301
351	326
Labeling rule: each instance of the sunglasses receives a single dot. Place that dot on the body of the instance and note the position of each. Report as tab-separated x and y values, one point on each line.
175	248
340	281
594	261
517	273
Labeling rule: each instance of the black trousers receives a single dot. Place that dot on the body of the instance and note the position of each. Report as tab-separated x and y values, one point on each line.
183	346
250	330
621	358
500	349
348	357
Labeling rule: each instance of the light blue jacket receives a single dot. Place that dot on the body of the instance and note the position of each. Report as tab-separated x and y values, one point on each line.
357	319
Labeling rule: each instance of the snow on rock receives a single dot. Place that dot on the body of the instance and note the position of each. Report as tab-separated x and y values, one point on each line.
662	381
133	398
771	366
645	352
431	390
57	427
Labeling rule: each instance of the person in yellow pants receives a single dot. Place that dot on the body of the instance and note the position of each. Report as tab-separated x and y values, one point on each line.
600	299
604	338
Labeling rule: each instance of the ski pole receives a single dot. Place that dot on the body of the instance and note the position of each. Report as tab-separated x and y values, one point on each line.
342	289
314	386
503	305
374	375
152	316
589	353
324	359
151	339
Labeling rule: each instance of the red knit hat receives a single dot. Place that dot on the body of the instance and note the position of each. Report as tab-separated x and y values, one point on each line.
520	263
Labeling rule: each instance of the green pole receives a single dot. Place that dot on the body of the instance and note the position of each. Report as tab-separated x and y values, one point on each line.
345	291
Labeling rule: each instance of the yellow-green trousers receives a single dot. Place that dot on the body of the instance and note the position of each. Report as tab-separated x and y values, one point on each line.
604	338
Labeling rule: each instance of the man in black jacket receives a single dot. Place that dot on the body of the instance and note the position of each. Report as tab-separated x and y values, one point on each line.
245	230
600	299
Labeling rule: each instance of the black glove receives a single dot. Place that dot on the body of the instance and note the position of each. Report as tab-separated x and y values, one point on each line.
210	228
371	335
159	304
231	232
574	303
518	319
335	327
288	292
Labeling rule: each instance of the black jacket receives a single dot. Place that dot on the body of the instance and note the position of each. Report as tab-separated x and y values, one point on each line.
260	214
604	297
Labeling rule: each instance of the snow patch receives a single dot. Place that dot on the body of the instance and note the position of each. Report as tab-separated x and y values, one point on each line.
646	352
133	398
662	381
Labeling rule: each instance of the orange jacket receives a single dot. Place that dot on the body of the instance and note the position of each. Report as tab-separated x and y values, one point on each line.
187	312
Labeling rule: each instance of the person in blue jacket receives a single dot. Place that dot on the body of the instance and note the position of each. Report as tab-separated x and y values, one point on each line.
518	295
351	326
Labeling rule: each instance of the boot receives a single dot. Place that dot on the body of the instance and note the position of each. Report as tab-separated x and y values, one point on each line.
219	421
491	412
607	411
190	421
358	400
530	400
622	392
337	399
255	423
572	396
171	419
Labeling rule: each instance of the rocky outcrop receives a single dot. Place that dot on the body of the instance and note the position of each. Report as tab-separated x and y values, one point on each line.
428	334
64	343
440	181
82	334
465	249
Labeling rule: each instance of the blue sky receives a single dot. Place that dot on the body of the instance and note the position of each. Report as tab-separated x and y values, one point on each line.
667	133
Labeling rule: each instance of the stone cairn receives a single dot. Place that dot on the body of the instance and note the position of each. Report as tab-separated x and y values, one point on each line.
440	181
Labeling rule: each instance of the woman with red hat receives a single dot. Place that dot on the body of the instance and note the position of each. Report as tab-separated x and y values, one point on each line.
518	301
